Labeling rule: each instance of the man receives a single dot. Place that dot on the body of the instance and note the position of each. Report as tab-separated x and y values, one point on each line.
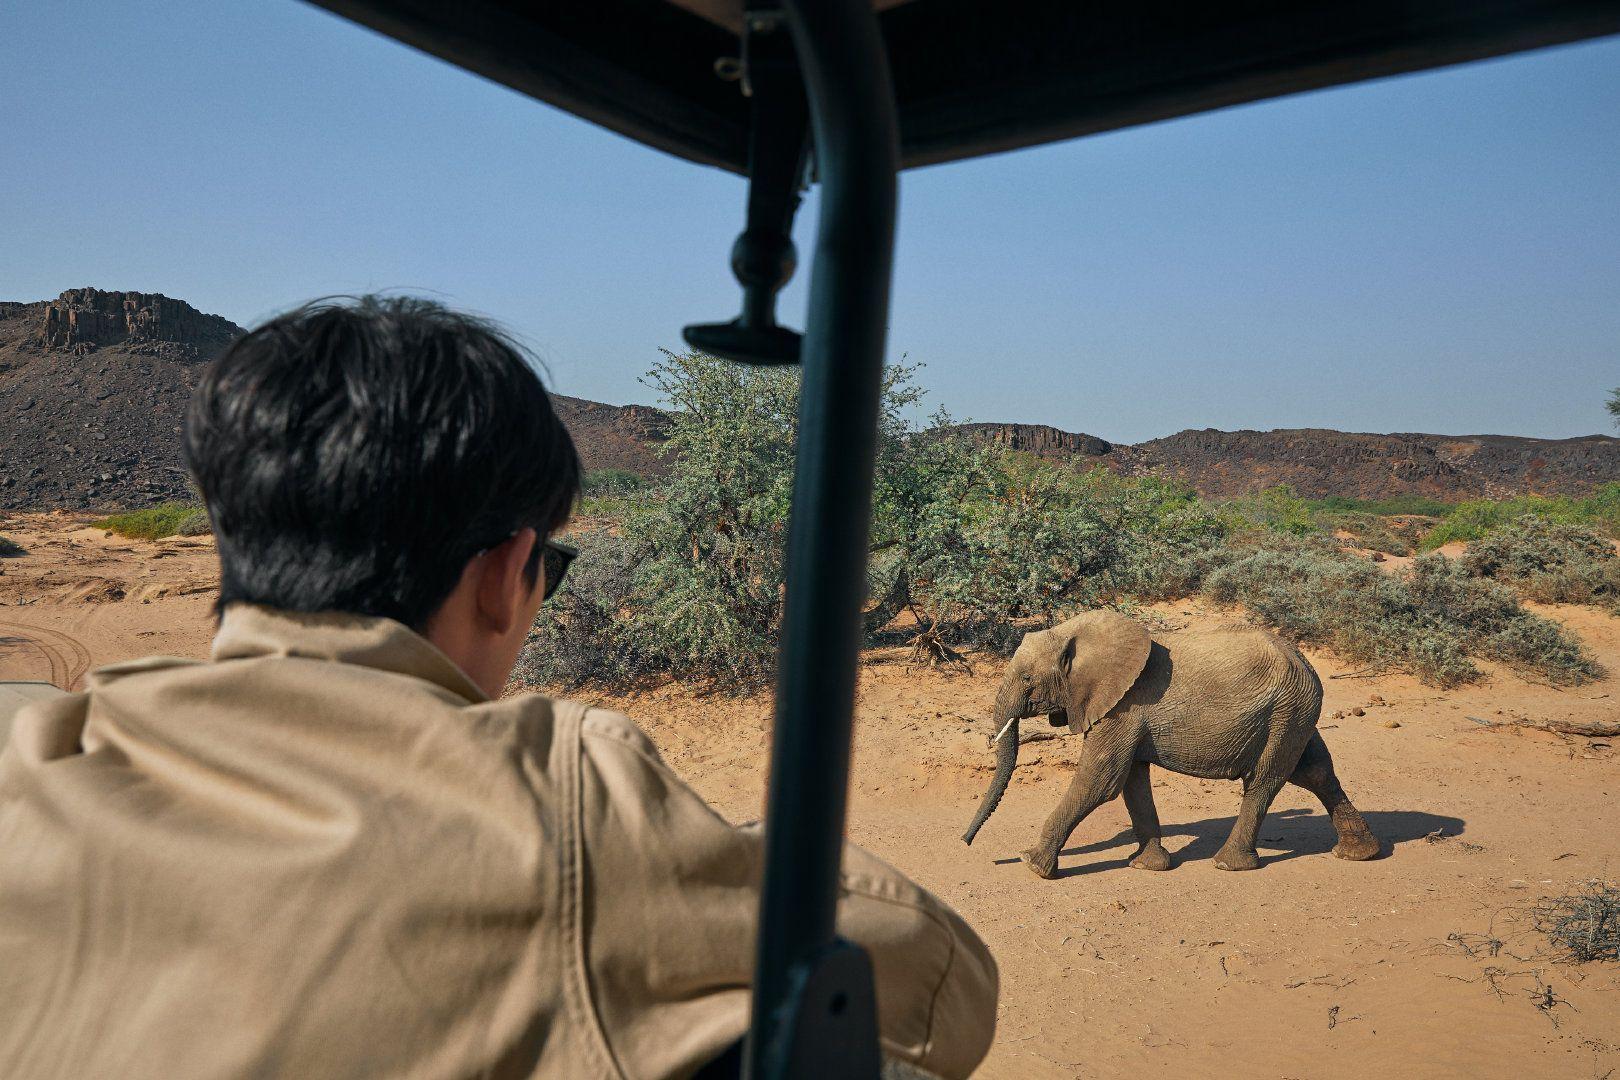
333	850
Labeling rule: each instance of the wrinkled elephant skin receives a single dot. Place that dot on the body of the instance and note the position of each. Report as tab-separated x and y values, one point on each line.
1231	703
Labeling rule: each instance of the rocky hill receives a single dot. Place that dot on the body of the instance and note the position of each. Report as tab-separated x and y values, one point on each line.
94	384
93	392
1318	462
616	436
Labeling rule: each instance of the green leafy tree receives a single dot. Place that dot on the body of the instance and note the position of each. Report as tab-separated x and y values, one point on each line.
700	560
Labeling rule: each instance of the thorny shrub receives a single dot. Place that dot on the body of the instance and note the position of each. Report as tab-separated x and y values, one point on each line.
1428	619
153	522
1549	561
685	580
1478	518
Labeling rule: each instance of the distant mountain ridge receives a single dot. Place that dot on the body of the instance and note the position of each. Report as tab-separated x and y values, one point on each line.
94	385
1320	462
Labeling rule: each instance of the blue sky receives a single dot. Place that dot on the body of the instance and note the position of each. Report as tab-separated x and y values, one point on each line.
1434	253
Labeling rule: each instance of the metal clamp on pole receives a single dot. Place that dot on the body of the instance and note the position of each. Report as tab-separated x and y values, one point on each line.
802	971
763	258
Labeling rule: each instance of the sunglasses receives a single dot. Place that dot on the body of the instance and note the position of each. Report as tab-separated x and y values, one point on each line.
555	559
548	557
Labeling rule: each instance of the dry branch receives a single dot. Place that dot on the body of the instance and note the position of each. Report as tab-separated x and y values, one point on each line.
1591	729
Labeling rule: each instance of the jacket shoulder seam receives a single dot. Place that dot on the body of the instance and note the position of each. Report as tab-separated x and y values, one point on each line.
851	885
571	717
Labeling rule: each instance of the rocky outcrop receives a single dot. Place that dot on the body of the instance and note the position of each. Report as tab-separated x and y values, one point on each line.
93	393
1041	440
83	320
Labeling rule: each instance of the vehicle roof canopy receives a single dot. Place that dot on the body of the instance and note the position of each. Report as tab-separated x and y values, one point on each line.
971	77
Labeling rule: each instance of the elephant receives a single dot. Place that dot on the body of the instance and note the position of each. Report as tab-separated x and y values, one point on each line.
1233	702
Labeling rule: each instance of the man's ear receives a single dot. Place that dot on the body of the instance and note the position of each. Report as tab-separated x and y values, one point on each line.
504	591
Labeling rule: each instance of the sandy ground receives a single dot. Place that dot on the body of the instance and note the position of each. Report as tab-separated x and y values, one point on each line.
1419	964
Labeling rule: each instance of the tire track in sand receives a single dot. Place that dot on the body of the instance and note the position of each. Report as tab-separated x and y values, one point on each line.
65	654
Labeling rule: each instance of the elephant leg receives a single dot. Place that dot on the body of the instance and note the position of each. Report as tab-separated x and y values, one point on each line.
1150	853
1100	776
1238	852
1315	774
1277	761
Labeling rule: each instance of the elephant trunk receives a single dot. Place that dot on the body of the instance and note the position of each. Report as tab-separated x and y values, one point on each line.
1006	761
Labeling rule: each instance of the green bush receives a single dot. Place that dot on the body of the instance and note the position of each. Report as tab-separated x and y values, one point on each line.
1374	532
685	580
1276	509
1428	620
973	539
694	579
10	548
196	523
612	482
1476	518
994	542
1022	541
1394	506
152	523
1549	561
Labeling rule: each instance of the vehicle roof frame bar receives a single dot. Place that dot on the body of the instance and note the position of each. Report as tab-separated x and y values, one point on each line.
856	136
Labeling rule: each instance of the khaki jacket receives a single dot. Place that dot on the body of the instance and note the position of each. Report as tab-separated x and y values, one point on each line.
325	853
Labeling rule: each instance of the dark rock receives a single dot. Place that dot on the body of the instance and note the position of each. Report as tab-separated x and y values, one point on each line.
1040	439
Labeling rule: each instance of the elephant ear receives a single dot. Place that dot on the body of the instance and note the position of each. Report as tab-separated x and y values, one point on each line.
1103	652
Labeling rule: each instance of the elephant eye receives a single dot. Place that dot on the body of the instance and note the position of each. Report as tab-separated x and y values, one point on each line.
1028	677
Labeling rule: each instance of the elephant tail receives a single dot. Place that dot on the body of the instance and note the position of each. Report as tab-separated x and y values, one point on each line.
1006	761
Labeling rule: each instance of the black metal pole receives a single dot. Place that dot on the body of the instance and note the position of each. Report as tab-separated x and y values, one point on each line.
856	133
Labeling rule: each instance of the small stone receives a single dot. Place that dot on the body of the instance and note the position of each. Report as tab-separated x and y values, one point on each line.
1358	711
1392	723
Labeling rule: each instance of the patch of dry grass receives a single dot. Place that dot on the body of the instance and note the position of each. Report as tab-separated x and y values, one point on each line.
1583	925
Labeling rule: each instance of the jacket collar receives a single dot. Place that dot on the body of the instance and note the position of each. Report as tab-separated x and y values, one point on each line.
248	630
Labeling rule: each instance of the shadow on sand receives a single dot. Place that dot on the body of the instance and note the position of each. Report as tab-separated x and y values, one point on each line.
1285	834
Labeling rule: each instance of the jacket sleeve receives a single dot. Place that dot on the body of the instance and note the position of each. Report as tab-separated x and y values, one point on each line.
16	696
671	899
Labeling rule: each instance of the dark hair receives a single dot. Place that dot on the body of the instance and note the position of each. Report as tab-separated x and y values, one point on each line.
355	453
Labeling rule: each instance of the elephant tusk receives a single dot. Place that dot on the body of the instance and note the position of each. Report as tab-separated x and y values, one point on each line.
1003	731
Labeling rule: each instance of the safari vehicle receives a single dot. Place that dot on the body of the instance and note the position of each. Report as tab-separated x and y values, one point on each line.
845	93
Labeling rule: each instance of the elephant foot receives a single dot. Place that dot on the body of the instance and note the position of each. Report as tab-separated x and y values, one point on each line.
1357	848
1234	859
1043	865
1153	857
